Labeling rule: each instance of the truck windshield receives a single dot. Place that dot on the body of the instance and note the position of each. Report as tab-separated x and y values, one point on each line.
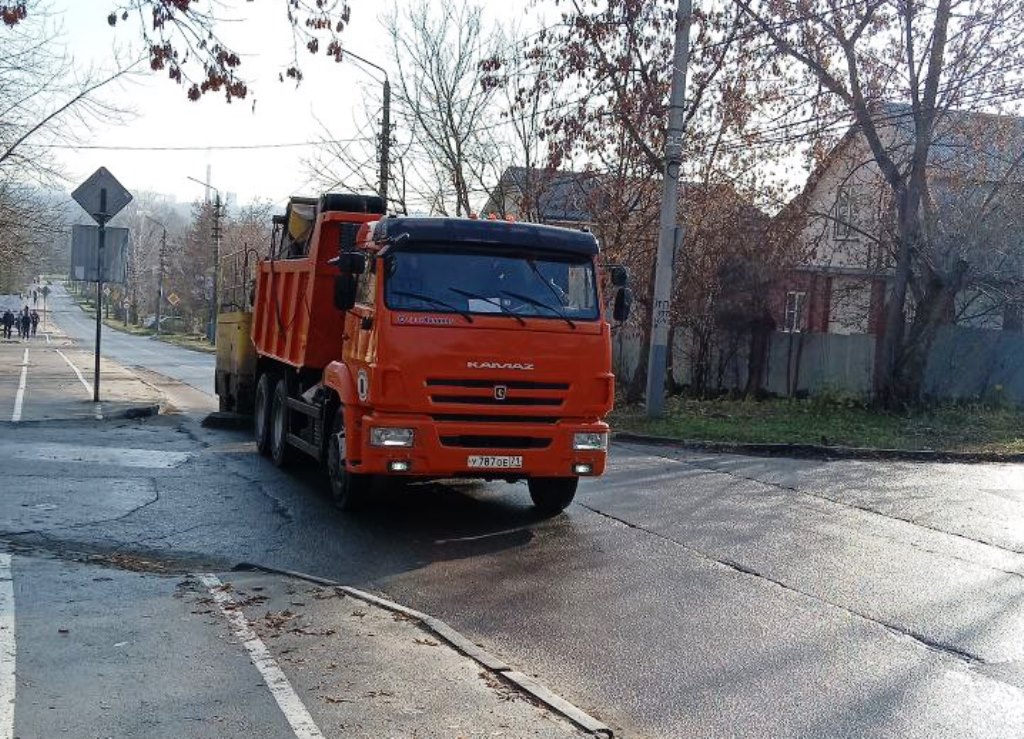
532	285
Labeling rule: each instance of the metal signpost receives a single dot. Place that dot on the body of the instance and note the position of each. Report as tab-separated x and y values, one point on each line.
102	197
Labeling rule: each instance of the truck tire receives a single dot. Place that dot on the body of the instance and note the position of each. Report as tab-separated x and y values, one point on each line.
551	495
280	452
261	413
347	488
335	201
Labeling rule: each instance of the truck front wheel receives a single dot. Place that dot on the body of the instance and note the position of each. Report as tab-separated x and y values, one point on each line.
552	495
347	488
261	413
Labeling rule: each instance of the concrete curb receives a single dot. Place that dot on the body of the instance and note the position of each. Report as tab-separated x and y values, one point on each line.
446	633
817	451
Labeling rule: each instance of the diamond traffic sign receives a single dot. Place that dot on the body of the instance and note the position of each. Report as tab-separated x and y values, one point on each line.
173	299
102	196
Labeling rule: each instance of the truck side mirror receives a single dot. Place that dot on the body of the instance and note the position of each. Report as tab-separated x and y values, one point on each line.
344	291
619	275
350	262
623	304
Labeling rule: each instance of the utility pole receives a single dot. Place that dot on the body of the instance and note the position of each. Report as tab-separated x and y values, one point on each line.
160	277
211	331
160	273
211	322
669	233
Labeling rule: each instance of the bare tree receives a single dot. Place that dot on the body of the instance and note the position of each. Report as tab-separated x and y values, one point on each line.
844	62
181	37
42	92
612	61
443	108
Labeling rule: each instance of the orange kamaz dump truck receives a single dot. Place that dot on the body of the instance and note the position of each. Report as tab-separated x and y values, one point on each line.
426	348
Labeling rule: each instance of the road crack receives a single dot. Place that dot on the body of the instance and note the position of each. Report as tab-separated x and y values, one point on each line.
835	501
917	638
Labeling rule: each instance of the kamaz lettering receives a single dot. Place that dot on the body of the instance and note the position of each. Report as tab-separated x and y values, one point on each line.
500	365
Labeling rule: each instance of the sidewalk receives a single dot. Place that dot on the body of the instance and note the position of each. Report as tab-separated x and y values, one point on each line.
120	646
46	378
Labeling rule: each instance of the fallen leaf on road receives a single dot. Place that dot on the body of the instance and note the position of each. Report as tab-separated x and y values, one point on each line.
335	699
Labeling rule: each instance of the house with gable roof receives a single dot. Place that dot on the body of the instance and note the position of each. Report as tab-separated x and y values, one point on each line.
976	207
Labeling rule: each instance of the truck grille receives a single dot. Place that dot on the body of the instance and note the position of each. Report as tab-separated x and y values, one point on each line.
473	441
510	384
491	418
497	393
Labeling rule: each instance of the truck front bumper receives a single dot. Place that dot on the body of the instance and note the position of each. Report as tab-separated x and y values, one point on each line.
445	449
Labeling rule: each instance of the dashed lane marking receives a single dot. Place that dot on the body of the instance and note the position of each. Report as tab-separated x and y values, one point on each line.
19	398
287	699
6	648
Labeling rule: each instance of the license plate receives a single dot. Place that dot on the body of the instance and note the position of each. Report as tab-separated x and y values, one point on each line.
491	462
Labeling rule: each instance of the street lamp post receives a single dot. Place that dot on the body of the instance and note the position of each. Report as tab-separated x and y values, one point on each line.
211	326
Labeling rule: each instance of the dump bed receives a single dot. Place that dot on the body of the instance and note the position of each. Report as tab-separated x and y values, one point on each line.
294	318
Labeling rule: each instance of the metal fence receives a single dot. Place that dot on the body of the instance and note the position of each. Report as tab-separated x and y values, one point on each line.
964	364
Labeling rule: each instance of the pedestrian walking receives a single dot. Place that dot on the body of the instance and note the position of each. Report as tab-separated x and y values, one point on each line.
34	317
24	323
8	323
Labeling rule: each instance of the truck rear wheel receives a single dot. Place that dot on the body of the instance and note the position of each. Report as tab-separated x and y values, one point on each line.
552	495
261	413
280	452
347	488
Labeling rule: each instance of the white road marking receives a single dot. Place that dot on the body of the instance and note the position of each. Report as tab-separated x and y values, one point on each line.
6	648
78	372
19	398
287	699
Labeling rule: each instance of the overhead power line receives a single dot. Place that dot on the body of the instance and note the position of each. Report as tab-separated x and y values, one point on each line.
197	147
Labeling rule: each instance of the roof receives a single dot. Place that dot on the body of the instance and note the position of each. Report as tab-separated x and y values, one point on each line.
416	231
567	197
983	146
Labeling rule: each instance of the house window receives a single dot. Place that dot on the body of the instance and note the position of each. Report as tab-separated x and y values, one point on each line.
845	216
793	321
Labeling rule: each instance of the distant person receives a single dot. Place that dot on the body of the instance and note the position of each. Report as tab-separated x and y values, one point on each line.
24	323
34	317
7	321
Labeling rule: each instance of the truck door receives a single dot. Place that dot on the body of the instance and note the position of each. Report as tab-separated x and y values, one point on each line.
360	344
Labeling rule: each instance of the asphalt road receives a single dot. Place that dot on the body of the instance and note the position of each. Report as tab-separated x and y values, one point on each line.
683	595
191	367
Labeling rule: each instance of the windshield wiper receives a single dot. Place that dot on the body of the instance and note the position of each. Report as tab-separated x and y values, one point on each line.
532	301
435	301
492	301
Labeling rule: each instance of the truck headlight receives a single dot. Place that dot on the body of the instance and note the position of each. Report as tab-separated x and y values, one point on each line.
589	441
389	436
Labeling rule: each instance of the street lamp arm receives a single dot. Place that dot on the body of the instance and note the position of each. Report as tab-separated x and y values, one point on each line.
368	63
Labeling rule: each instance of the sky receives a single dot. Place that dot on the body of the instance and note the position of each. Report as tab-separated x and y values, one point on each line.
271	119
